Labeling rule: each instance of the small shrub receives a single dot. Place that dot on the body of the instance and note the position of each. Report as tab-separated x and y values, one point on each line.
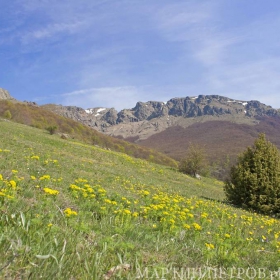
51	129
7	114
254	182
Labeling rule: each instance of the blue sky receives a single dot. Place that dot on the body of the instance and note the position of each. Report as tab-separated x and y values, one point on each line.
108	53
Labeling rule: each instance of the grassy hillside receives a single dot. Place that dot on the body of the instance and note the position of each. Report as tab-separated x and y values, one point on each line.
35	116
222	140
74	211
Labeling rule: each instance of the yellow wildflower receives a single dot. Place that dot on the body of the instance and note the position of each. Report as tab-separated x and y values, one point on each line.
197	226
126	211
13	184
35	157
51	191
69	212
204	215
45	177
209	246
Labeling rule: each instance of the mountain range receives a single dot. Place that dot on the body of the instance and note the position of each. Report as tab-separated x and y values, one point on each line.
152	117
223	126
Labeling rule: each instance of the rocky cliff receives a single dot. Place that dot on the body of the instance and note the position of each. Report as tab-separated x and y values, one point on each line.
148	118
4	94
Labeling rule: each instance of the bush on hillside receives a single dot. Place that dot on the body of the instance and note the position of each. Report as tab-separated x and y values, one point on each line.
7	114
194	162
254	182
51	129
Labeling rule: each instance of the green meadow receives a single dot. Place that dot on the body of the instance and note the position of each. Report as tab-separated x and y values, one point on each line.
70	210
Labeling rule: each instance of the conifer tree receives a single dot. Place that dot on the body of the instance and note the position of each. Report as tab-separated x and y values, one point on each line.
254	182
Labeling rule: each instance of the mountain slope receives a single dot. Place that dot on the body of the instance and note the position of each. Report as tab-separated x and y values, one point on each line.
75	211
222	125
220	138
31	114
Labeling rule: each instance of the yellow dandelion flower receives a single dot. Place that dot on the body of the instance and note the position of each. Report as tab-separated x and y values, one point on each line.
204	215
197	226
227	235
186	226
126	211
51	191
209	246
69	212
13	184
45	177
102	191
172	221
145	193
35	157
135	214
74	187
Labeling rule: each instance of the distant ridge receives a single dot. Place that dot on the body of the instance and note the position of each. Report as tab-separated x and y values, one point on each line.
149	118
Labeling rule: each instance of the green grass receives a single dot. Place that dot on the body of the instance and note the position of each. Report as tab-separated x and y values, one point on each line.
74	211
39	117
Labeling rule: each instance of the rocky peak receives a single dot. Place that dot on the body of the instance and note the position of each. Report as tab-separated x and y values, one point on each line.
147	118
4	94
149	110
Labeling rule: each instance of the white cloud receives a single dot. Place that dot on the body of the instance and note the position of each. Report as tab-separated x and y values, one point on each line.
184	22
116	97
50	31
